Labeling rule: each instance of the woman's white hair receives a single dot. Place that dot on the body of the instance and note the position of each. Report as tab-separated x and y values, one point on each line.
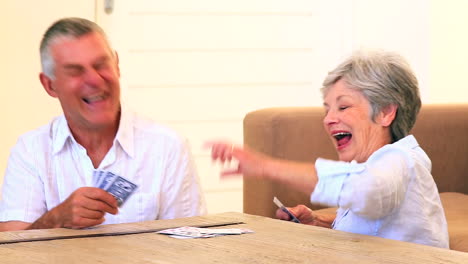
385	78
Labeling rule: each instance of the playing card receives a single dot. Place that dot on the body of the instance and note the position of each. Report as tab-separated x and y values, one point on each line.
97	175
284	209
107	180
121	189
197	232
186	231
116	185
225	231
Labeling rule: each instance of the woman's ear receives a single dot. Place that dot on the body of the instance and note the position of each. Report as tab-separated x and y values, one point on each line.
387	115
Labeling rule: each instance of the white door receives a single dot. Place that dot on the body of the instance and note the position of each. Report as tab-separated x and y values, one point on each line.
25	105
200	66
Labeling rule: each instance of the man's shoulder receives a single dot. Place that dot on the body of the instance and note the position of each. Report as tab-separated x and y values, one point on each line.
38	140
44	132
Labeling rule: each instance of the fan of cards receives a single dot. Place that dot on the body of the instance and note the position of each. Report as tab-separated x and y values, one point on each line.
116	185
198	232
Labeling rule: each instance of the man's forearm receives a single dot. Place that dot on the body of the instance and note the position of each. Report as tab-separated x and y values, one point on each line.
47	220
13	226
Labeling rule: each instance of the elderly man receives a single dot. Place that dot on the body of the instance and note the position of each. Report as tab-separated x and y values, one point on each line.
49	177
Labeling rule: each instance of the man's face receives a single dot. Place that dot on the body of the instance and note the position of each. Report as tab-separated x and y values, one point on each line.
86	81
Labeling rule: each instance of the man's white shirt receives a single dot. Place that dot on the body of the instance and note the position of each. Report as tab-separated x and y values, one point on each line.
47	165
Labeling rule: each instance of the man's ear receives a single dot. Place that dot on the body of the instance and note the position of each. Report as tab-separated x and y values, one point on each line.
47	84
388	114
117	62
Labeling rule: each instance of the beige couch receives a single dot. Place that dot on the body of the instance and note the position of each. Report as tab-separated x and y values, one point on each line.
298	134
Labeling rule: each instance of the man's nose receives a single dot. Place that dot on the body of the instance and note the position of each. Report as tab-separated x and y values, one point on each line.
93	78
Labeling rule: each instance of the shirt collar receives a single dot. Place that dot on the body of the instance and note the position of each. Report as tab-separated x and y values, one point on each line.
61	133
125	135
408	141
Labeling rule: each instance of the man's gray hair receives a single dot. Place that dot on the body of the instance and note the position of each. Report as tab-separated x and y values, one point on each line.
385	78
72	27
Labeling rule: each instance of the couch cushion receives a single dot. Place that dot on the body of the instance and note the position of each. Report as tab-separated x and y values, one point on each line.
456	212
441	131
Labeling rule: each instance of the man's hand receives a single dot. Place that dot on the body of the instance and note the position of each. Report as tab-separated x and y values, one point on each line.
85	207
307	216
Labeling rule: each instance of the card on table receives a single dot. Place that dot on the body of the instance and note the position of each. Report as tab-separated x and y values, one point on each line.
198	232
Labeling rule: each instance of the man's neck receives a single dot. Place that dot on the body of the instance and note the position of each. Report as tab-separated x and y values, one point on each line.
97	142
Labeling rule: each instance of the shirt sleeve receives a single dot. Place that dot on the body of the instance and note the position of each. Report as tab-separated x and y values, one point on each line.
181	192
23	191
372	189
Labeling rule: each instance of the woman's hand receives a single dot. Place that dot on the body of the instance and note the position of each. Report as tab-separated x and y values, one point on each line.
299	175
307	216
251	162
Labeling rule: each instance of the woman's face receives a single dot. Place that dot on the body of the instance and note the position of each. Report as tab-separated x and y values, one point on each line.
349	124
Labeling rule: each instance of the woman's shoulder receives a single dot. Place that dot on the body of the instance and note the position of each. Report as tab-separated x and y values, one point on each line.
405	150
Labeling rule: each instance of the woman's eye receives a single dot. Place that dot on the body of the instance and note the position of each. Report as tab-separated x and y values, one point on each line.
343	107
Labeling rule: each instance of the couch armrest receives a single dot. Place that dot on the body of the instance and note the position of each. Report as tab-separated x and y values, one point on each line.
290	133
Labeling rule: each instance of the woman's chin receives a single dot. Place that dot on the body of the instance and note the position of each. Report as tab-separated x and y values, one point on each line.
345	157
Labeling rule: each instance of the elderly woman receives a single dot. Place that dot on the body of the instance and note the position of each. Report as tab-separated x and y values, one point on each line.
382	183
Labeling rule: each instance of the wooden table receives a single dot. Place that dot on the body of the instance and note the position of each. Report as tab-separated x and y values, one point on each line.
274	241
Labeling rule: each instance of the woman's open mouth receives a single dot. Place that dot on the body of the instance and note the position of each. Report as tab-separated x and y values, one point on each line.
342	138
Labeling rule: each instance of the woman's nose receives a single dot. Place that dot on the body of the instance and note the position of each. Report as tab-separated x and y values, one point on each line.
330	118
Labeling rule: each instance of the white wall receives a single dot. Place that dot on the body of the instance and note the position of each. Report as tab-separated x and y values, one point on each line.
448	65
398	25
210	61
201	66
25	105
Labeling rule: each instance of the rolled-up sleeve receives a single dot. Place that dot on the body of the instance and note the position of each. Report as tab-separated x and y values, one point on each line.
23	192
332	176
372	189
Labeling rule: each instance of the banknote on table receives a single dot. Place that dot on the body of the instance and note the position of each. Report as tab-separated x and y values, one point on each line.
116	185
